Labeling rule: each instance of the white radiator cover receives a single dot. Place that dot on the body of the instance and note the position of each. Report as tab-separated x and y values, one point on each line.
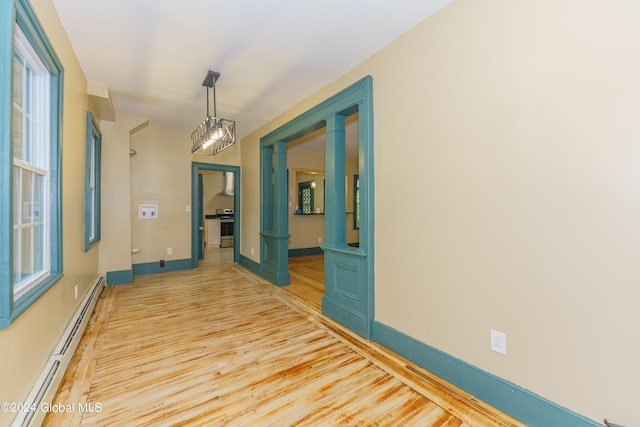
45	388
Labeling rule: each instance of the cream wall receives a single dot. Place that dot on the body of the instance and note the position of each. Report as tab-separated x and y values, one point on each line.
305	230
30	340
512	127
115	242
159	173
213	183
250	199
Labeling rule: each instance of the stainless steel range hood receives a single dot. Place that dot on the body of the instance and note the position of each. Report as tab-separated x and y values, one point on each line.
228	185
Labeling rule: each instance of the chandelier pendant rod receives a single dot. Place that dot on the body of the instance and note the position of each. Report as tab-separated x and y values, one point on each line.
210	83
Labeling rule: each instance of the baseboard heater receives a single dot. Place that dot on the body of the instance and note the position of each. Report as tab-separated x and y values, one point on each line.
45	388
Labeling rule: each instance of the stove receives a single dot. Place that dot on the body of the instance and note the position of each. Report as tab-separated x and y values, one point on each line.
226	227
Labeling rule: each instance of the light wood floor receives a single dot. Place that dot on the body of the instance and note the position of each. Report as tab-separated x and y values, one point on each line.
307	279
219	346
216	256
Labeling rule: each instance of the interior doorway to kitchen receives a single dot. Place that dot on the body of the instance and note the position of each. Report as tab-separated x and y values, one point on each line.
215	214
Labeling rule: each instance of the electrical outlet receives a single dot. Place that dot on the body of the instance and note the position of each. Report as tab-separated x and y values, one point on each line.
169	251
188	208
76	291
161	263
319	239
498	342
253	252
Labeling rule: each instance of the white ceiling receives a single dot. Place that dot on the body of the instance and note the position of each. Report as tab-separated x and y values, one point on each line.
154	54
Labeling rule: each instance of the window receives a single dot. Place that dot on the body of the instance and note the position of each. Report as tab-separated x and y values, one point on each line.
30	189
92	185
305	197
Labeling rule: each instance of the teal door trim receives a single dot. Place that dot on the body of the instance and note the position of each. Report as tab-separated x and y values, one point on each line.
200	220
349	278
196	208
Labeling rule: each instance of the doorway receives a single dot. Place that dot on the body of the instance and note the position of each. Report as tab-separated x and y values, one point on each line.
306	158
348	270
198	210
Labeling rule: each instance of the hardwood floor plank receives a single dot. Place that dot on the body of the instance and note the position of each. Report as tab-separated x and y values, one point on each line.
474	412
219	346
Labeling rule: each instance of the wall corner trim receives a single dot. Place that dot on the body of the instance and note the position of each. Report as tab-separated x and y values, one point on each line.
522	404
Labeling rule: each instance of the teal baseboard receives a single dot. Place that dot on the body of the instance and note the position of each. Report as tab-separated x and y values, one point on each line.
119	277
255	268
522	404
277	279
305	252
346	316
154	267
250	265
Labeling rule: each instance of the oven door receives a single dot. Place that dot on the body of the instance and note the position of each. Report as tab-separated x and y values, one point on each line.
226	233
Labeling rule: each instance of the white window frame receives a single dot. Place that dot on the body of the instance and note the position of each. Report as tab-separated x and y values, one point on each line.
35	124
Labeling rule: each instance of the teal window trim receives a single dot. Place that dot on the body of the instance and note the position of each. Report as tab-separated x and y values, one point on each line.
21	13
92	194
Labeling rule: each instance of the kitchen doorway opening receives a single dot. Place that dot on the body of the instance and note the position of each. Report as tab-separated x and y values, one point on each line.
215	214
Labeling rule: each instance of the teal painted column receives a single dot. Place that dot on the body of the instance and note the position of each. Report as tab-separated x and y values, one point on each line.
274	250
280	219
266	180
335	231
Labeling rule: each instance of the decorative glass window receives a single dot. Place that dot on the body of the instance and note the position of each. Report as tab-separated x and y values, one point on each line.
30	182
305	197
92	185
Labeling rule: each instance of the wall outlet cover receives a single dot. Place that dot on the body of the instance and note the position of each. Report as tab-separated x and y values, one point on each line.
498	342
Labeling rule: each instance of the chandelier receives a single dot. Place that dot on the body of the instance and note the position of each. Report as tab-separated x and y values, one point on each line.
214	134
